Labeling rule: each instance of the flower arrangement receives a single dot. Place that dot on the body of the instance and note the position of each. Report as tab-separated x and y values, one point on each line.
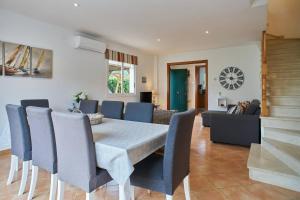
80	96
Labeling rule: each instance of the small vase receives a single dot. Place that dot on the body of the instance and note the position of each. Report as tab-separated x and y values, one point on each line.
75	105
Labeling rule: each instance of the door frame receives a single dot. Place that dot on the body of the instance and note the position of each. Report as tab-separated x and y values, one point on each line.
180	63
197	69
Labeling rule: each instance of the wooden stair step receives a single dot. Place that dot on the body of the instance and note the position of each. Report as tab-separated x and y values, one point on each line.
287	153
290	123
264	167
284	111
282	135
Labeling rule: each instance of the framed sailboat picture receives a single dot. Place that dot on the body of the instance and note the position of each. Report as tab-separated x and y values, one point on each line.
41	62
1	58
17	60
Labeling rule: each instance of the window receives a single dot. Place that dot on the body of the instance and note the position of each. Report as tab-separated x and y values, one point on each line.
121	78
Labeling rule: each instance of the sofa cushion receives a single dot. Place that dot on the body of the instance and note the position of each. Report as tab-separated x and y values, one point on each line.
235	129
253	107
206	117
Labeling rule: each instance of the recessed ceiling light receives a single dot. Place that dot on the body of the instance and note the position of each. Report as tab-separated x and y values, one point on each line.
76	4
158	39
207	32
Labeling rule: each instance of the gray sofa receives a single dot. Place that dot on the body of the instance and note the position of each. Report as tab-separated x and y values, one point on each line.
238	129
207	116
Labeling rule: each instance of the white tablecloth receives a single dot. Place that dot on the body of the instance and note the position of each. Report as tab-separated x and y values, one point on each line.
120	144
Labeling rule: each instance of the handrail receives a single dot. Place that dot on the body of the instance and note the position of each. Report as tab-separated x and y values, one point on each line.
264	72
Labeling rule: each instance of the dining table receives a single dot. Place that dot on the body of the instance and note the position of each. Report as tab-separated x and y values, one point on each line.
120	144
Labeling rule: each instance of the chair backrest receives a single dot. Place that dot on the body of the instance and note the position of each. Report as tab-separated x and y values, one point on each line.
19	132
177	149
112	109
44	103
42	137
75	149
140	112
88	106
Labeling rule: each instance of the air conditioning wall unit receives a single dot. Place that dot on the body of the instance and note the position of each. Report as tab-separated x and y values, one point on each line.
81	42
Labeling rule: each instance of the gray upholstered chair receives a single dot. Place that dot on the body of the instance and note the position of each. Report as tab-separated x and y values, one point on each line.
140	112
44	103
76	154
20	143
88	106
43	147
112	109
165	173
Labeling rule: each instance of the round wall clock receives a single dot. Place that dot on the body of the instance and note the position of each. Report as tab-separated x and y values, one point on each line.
231	78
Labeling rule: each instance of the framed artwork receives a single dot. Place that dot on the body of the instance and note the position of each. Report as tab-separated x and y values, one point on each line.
20	60
1	58
41	63
144	79
17	60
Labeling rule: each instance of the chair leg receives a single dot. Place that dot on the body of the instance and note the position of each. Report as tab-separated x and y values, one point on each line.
132	192
13	167
34	176
169	197
17	165
53	186
25	169
30	164
60	192
90	196
186	184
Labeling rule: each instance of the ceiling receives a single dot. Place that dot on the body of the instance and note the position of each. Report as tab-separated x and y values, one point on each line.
179	24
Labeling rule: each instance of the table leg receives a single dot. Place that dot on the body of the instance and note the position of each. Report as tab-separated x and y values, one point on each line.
124	190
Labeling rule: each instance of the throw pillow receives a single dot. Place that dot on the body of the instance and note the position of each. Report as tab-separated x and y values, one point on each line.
242	107
253	108
232	110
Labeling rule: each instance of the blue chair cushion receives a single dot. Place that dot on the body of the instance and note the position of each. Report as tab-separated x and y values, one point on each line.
112	109
149	173
102	177
139	112
164	174
44	103
44	153
88	106
77	166
20	133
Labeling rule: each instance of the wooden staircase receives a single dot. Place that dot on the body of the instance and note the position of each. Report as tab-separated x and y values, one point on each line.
277	160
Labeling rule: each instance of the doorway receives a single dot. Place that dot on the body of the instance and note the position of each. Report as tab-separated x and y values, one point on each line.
192	103
178	89
201	89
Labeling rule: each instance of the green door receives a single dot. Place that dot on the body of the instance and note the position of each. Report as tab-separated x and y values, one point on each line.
178	89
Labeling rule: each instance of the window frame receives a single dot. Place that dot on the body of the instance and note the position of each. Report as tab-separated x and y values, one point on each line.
120	94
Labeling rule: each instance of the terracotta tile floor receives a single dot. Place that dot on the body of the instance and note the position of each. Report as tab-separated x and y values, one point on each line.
218	172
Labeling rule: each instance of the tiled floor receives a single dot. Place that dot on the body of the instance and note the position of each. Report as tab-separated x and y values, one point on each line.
218	172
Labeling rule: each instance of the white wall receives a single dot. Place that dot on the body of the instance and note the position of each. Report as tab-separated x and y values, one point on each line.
247	58
73	70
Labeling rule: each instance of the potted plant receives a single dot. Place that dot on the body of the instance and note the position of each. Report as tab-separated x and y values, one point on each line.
77	98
